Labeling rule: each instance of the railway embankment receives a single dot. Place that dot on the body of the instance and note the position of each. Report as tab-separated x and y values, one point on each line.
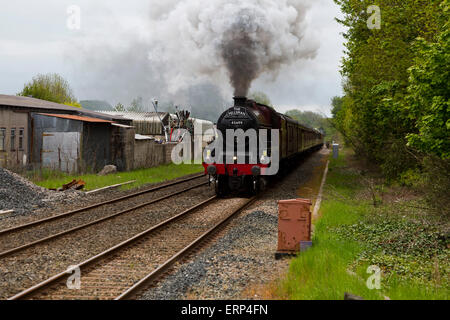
373	240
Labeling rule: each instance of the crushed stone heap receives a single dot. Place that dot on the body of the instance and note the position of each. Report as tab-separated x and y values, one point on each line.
22	196
19	194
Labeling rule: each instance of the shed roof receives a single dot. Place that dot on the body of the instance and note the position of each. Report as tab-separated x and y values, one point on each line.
142	137
77	118
27	102
137	116
122	125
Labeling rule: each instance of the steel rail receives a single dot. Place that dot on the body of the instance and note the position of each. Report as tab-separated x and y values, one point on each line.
132	291
107	253
57	235
69	213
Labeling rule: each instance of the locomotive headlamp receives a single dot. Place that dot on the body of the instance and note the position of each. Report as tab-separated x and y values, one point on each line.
234	158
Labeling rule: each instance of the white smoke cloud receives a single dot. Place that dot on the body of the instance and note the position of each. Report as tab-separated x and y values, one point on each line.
192	36
193	43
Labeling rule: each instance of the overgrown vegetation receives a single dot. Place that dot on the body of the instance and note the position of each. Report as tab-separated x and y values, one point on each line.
261	97
316	121
396	110
55	179
96	105
396	233
50	87
308	118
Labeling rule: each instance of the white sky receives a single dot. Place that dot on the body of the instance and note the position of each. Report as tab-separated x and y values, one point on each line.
34	39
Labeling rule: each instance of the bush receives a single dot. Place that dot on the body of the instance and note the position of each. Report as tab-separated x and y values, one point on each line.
49	87
436	184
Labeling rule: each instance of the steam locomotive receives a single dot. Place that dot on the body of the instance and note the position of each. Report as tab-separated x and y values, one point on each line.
239	171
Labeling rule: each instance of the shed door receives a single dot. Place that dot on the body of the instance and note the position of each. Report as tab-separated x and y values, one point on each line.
61	151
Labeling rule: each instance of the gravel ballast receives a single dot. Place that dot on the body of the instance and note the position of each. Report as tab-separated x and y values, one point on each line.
22	196
222	255
241	260
35	264
58	202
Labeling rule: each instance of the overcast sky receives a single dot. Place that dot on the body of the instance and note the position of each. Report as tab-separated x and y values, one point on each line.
34	38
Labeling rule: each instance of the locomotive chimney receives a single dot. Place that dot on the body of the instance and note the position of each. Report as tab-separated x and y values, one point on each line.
240	101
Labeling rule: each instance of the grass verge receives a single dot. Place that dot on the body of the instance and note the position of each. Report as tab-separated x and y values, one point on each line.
407	243
55	179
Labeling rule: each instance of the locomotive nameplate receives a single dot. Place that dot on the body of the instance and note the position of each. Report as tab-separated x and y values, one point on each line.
236	113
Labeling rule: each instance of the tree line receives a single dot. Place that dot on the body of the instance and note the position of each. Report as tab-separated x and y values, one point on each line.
395	111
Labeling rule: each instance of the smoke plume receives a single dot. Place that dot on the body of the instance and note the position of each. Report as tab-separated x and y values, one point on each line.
261	38
193	44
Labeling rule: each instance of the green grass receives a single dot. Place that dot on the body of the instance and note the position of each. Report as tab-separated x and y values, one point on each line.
54	179
352	234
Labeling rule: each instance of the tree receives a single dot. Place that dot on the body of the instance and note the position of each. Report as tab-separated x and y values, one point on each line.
374	113
96	105
119	107
336	103
261	97
307	118
428	96
315	121
137	105
50	87
73	104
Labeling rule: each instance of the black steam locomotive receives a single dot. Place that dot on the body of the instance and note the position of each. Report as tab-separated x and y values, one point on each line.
240	171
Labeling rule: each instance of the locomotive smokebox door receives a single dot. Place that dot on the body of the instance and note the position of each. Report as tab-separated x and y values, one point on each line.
294	225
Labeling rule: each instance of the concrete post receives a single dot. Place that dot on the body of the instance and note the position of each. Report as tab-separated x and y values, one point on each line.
335	151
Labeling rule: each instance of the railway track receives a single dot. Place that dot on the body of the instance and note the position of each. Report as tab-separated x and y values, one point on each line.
43	230
123	270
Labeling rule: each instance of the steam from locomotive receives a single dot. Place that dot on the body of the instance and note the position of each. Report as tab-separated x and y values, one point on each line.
196	53
239	51
225	42
261	36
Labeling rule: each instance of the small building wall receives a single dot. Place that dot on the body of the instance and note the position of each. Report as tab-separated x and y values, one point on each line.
149	154
123	147
13	153
96	146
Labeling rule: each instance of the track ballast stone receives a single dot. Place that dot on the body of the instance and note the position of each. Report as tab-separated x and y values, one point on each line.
241	263
177	285
22	196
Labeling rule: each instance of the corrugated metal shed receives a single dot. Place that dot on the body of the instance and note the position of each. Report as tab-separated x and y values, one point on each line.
145	123
71	143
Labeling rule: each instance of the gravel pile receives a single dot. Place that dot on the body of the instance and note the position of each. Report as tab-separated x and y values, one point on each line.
22	196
